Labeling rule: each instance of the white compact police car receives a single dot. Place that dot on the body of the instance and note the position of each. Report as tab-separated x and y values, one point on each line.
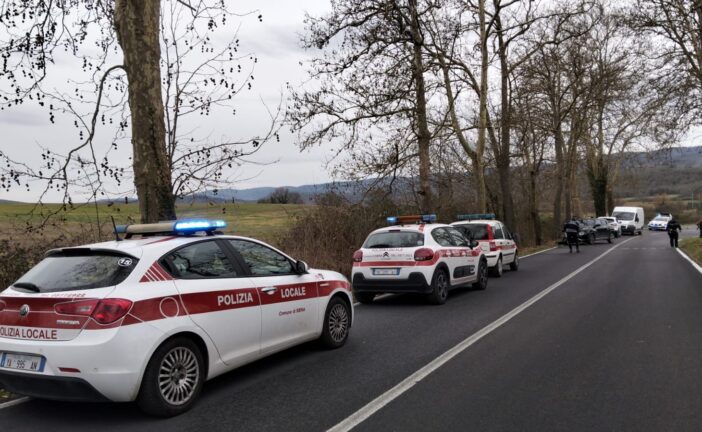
494	238
152	318
416	255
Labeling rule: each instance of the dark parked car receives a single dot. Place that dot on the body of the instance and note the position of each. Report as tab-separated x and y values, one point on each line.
595	229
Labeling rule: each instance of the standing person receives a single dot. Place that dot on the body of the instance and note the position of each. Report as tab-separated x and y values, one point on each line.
673	229
571	229
699	227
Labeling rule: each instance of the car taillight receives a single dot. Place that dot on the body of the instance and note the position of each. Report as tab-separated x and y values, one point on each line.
104	311
423	254
358	256
490	236
493	246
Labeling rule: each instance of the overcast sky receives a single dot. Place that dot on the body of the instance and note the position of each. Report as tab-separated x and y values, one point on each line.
275	41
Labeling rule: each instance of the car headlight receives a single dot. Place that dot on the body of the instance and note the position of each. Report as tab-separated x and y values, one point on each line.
581	233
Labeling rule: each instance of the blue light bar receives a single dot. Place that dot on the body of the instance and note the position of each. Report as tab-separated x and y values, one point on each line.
193	225
392	220
120	229
476	216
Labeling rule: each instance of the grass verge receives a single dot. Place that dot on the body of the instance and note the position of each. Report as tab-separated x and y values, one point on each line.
5	396
693	248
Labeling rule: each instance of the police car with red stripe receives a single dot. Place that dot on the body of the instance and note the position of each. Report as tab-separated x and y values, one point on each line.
152	316
416	255
495	240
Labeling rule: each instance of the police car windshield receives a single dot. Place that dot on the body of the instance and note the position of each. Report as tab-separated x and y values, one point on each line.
394	239
473	231
627	216
77	271
661	218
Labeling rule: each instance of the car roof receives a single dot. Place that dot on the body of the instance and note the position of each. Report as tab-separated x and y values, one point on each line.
420	228
477	221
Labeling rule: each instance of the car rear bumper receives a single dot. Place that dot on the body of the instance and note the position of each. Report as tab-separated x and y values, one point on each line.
50	387
416	283
631	229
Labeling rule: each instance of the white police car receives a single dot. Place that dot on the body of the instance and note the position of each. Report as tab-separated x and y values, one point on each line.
494	238
416	255
660	222
152	318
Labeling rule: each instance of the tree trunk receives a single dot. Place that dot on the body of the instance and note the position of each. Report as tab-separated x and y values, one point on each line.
502	158
560	179
137	26
482	126
534	208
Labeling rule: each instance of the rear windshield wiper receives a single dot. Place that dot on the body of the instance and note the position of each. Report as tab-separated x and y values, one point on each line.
28	286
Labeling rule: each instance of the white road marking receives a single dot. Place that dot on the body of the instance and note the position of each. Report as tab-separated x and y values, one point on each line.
14	402
539	252
694	264
376	404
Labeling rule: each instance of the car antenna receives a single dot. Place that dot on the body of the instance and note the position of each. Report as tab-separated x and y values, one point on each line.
114	228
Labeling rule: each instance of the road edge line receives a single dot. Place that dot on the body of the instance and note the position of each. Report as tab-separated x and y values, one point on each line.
687	257
539	252
403	386
14	402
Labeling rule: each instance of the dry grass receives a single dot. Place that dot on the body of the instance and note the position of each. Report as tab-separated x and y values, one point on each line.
693	248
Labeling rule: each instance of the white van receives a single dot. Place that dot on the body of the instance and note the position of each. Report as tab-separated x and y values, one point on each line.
632	219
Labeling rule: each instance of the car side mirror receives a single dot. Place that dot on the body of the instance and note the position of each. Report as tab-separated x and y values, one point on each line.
301	268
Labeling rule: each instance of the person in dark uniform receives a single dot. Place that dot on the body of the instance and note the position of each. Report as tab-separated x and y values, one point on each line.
673	229
571	229
699	227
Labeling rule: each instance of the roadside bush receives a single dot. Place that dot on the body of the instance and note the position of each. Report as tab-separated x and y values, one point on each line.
328	236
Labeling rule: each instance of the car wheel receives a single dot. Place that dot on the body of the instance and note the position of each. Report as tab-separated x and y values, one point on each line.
591	238
365	298
482	281
514	265
337	323
440	287
498	270
609	238
173	378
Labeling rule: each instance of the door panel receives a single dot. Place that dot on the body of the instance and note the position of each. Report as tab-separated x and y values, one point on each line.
219	299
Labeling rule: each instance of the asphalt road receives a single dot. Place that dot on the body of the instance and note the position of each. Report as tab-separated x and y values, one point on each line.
618	346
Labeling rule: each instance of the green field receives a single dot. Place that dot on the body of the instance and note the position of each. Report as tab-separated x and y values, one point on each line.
264	221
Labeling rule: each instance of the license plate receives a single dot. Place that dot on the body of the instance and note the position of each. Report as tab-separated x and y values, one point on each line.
22	362
386	271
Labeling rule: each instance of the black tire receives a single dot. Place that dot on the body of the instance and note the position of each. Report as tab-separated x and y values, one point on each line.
498	269
514	265
439	287
336	324
482	282
591	238
609	238
187	373
365	298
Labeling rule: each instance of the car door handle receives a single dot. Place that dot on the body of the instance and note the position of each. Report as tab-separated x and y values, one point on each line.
269	290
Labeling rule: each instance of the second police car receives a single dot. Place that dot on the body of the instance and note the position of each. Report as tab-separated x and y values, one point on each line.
416	255
152	318
494	238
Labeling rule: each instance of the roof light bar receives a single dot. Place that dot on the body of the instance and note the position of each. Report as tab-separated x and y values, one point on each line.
411	219
185	226
475	216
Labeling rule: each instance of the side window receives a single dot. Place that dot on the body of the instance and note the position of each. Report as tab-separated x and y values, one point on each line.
457	237
201	260
498	232
442	237
508	235
262	260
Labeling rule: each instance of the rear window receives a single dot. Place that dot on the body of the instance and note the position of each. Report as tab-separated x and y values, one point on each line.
77	271
394	239
473	231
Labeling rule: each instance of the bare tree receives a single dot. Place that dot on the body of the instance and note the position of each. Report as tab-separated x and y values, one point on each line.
159	78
